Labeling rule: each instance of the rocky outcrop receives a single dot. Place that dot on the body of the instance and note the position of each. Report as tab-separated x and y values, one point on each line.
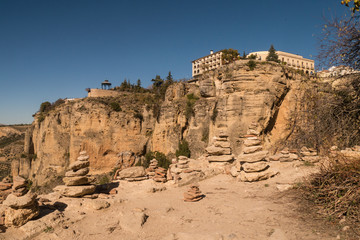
131	174
229	99
220	151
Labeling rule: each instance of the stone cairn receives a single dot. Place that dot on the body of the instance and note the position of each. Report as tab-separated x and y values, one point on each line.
309	155
160	175
180	170
76	181
151	169
252	165
21	205
193	194
285	156
156	173
220	151
5	188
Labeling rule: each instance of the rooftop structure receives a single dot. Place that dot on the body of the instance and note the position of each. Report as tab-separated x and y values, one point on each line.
291	60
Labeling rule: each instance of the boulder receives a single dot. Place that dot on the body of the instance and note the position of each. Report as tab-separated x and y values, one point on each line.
256	176
20	202
132	172
18	217
312	159
255	167
75	181
223	158
252	149
234	171
83	158
254	157
78	165
222	144
19	182
97	204
252	142
218	150
75	191
80	172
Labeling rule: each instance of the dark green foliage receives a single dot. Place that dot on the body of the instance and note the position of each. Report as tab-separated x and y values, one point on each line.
170	77
251	64
41	117
45	107
214	114
184	149
115	106
252	56
272	56
244	55
229	55
162	160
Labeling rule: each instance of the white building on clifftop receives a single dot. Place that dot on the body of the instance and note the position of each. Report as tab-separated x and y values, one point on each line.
291	60
209	62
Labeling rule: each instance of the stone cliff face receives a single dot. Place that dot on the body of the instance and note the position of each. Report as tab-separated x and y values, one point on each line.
229	100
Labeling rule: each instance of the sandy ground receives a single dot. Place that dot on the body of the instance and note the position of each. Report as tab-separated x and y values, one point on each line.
230	210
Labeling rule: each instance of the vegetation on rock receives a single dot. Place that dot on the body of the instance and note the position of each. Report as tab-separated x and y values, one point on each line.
183	149
272	56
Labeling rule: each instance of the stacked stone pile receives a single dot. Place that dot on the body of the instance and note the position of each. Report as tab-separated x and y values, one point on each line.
160	175
193	194
76	182
21	205
132	174
151	169
285	156
309	155
180	170
5	188
220	151
252	165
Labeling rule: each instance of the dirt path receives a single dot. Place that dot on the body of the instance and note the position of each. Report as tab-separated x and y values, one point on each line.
230	210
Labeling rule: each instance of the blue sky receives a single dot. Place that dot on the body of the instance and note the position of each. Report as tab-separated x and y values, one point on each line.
55	49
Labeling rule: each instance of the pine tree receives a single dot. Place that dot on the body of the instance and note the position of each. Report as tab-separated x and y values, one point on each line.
272	56
170	77
244	55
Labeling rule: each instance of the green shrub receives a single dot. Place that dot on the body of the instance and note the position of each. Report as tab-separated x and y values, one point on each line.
214	114
45	106
41	117
183	149
104	179
115	107
251	64
162	159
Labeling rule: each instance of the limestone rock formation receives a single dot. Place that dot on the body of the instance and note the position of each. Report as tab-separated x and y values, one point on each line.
5	188
182	173
227	99
285	156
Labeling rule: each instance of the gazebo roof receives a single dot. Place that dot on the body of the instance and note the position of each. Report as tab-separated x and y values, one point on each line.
106	82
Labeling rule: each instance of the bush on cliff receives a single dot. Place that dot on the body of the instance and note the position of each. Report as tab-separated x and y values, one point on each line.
162	160
183	149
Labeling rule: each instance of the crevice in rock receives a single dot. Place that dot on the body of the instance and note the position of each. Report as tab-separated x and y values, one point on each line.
275	108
